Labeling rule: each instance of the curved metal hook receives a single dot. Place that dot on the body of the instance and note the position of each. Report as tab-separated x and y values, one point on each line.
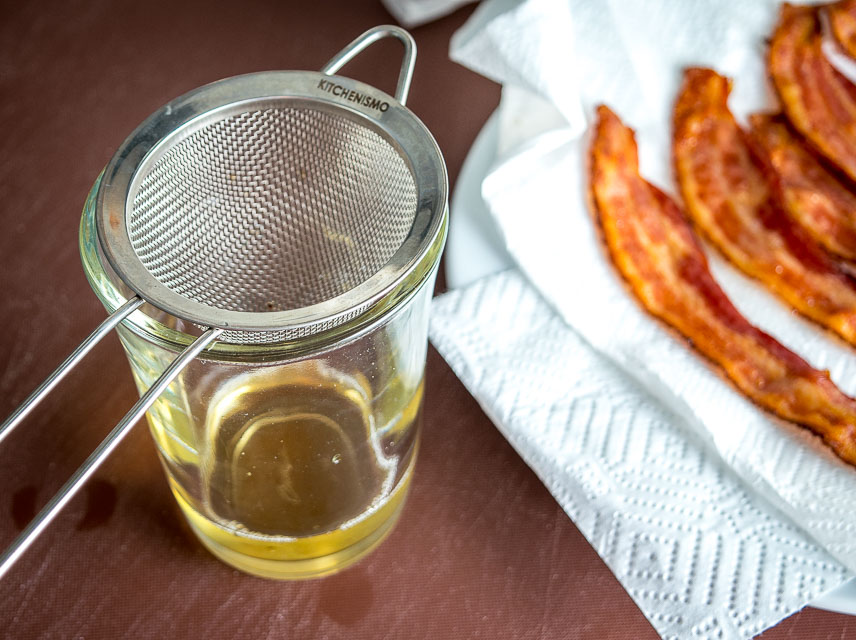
370	37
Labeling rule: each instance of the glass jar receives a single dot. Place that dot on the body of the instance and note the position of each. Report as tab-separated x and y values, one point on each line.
291	459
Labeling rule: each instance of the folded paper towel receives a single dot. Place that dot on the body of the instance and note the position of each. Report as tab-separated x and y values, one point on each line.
699	552
630	55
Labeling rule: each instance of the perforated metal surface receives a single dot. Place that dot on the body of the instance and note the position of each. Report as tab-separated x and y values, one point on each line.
272	209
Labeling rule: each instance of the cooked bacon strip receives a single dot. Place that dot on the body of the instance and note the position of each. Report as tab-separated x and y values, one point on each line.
655	250
818	100
730	201
842	19
811	196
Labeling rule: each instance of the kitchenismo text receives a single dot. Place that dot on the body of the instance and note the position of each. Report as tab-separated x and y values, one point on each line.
353	96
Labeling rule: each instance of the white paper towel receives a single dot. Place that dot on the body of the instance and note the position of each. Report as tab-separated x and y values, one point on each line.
573	55
412	13
700	553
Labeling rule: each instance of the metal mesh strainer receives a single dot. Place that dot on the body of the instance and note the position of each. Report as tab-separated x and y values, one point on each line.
290	207
261	208
271	206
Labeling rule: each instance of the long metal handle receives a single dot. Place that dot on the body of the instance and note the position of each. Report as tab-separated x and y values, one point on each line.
43	519
51	381
371	36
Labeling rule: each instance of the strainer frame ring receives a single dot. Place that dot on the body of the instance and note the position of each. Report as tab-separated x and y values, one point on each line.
186	114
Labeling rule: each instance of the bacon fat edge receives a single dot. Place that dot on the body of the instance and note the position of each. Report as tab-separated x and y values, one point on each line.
818	100
842	19
812	197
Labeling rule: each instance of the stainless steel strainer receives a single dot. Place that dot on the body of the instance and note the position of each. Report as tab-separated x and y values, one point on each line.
261	208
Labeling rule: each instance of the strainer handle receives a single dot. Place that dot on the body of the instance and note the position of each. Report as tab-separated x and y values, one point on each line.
370	37
53	507
76	356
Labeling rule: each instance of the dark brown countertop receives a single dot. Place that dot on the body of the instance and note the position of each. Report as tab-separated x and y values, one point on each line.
481	550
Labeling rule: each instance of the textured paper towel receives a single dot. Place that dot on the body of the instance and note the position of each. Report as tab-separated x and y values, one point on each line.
630	55
700	553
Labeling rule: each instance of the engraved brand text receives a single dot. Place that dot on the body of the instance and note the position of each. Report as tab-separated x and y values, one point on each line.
352	96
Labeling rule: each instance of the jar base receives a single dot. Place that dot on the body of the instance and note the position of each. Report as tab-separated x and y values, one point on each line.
299	569
300	558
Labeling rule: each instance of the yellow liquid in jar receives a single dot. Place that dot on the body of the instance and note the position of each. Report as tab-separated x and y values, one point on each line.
295	478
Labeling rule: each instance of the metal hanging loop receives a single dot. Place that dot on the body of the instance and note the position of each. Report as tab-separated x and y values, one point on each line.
370	37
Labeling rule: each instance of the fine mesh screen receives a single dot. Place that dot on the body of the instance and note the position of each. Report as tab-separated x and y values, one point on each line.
272	209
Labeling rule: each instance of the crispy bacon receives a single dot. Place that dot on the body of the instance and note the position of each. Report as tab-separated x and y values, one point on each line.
818	100
842	19
655	250
728	198
810	195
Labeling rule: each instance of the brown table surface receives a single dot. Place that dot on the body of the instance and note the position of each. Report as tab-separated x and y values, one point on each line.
481	550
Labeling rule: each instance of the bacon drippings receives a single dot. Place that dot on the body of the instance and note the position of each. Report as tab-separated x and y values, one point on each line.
810	195
818	100
729	199
842	19
655	250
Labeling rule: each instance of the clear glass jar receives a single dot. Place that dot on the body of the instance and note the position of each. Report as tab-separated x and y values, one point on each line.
293	459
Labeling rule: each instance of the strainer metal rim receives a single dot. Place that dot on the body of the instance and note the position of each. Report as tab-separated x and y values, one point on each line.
185	114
